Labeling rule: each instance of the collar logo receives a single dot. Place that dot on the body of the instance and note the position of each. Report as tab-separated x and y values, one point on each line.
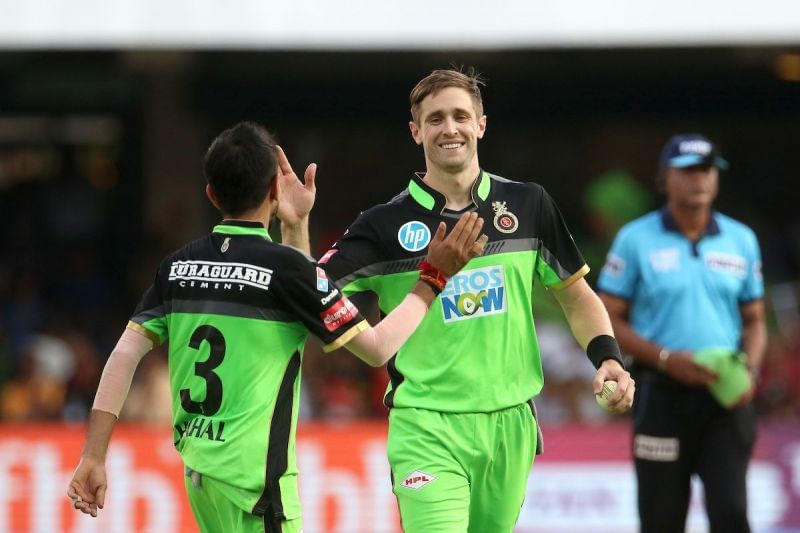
414	236
225	245
504	220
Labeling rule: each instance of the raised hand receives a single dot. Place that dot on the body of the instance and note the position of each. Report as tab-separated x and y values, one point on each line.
87	489
449	254
297	198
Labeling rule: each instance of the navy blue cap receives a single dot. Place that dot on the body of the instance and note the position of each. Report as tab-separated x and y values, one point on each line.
690	149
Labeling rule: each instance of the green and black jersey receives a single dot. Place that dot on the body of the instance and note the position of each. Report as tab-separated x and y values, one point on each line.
476	349
237	309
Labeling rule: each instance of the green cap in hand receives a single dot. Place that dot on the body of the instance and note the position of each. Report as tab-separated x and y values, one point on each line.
733	378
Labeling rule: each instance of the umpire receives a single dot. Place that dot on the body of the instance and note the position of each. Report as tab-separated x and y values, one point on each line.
677	281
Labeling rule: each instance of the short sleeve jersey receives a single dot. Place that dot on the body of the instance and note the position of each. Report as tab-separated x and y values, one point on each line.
236	309
476	349
685	295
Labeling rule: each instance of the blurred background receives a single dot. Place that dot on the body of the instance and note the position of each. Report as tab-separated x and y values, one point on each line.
106	111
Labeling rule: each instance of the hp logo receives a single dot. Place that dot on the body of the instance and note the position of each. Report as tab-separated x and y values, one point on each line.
414	236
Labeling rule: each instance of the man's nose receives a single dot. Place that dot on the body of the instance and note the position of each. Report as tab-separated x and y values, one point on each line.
450	126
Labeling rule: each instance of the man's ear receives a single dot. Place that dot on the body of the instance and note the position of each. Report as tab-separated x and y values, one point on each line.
212	197
415	132
274	189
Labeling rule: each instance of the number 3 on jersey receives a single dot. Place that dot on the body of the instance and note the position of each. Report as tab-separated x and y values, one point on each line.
205	369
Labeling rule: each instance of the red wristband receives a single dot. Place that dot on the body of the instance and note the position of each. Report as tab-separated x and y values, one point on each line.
432	276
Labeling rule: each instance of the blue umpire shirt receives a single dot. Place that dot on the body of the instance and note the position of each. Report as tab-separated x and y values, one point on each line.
684	295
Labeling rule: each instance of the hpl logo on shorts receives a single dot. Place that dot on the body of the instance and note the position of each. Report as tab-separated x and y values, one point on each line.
416	480
474	293
414	236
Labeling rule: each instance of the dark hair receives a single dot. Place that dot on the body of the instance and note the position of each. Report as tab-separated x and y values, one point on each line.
240	165
437	80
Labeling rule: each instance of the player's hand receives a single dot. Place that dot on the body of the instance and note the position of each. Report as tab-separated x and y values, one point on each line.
87	489
621	399
682	367
297	198
449	254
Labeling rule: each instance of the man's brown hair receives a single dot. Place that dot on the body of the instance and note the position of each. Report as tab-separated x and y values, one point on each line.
437	80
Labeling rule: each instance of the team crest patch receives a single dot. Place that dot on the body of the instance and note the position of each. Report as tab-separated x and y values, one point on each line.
615	266
504	220
414	236
416	480
322	280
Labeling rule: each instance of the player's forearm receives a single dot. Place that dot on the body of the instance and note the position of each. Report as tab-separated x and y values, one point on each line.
296	235
118	372
101	424
376	345
754	338
585	313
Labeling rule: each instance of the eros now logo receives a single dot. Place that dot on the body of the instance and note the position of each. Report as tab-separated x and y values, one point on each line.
474	293
416	480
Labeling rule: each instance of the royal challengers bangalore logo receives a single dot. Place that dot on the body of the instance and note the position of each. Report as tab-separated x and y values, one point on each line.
504	220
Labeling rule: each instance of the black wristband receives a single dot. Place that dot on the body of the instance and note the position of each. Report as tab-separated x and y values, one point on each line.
604	347
435	288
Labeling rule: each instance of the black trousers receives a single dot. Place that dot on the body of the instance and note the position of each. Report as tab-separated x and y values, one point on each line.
680	431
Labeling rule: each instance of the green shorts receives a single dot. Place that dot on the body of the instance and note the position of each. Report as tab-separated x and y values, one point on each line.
215	512
458	472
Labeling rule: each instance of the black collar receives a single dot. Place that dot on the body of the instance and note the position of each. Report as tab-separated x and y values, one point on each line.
668	221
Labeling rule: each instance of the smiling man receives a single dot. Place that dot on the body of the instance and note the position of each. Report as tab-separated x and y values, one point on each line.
462	431
237	308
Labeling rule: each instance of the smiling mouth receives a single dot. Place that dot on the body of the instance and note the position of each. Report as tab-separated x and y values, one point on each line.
451	146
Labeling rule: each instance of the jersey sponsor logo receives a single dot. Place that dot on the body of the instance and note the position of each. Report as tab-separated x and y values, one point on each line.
212	272
665	259
727	263
328	298
416	480
474	293
662	449
325	258
414	236
322	280
504	220
338	314
615	266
